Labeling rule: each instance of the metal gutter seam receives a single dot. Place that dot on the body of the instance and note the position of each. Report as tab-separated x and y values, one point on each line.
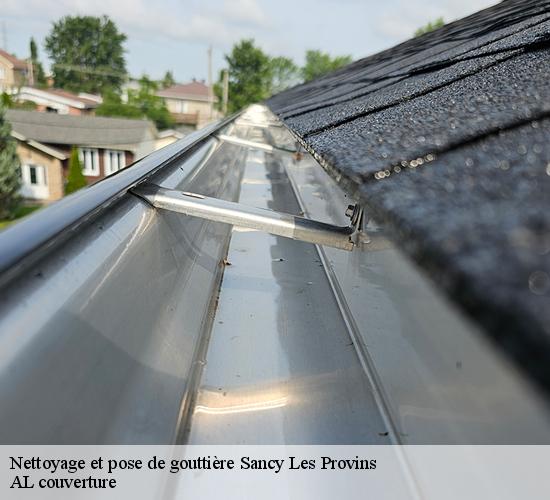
353	331
27	241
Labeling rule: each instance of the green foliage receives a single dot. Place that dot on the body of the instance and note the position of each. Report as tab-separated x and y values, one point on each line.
284	74
431	26
254	76
24	210
75	177
168	80
151	106
10	170
87	54
38	70
112	105
142	103
8	101
24	105
20	212
249	75
318	64
217	89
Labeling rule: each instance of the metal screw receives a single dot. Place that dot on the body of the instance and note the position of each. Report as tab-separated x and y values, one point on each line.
350	211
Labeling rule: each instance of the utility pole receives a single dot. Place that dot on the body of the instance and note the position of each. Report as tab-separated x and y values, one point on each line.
30	72
210	89
225	90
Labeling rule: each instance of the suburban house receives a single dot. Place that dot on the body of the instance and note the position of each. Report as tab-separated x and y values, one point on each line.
190	103
13	72
167	137
60	101
45	141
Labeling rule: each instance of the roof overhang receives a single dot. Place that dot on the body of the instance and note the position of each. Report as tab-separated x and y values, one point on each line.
41	147
48	96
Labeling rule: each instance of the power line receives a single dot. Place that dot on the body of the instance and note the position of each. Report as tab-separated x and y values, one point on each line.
86	69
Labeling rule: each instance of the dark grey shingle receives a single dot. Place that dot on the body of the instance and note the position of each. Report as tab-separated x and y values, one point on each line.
52	128
445	137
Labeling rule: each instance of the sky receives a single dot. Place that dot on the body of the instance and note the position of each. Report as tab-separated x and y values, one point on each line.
175	34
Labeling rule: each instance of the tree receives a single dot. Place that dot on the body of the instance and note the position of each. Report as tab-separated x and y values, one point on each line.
168	80
75	177
217	89
249	75
142	103
87	54
38	71
8	101
284	74
151	105
10	173
431	26
112	105
318	64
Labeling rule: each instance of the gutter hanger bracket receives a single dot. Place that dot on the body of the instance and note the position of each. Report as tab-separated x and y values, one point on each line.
244	142
252	144
260	219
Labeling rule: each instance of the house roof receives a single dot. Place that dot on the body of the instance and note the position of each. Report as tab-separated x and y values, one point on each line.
445	139
60	155
89	103
194	91
52	128
14	61
169	133
63	96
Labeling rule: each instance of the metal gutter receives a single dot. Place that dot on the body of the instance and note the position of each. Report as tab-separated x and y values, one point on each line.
117	336
98	336
437	380
25	242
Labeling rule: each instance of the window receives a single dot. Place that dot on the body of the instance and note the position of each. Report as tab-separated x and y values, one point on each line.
33	175
34	183
90	161
113	161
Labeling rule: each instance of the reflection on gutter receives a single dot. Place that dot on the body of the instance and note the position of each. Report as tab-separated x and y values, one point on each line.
270	402
146	219
69	277
237	229
260	406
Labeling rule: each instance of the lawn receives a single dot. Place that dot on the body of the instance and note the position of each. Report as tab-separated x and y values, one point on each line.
20	212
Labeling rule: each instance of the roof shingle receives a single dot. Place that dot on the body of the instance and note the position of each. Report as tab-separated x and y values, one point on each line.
445	138
52	128
14	61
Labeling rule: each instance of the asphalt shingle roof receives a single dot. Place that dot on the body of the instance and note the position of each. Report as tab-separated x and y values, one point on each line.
14	61
445	138
192	91
52	128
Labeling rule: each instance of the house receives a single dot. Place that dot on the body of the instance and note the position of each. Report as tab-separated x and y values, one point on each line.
190	103
13	72
45	140
60	101
167	137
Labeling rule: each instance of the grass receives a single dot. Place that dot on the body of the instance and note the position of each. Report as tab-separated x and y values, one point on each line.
20	212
